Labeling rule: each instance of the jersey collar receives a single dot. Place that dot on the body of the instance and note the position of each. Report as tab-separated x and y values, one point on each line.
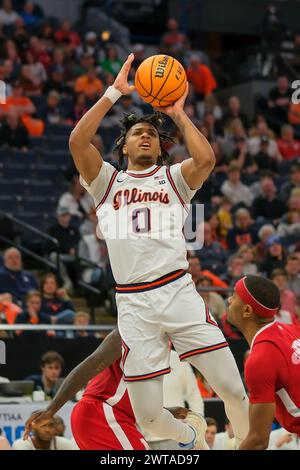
260	331
142	173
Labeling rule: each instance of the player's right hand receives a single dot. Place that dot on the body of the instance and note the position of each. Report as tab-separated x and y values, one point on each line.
121	81
40	417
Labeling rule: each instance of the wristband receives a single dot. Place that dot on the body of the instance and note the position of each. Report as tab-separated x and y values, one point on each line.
112	94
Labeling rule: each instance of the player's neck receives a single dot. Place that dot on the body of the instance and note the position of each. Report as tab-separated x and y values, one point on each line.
140	166
250	330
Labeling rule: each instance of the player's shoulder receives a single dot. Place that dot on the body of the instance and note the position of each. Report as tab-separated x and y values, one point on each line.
20	444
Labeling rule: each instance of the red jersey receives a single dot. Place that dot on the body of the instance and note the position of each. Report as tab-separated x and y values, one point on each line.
109	386
272	372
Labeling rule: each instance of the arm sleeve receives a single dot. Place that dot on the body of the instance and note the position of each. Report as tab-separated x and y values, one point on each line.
182	187
262	372
98	186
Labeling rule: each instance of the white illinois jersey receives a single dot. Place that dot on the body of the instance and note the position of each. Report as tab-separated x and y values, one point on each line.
141	216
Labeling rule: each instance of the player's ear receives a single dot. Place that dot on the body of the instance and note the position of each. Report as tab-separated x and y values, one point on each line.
248	311
124	149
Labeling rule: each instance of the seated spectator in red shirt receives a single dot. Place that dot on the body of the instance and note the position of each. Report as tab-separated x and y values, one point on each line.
288	146
243	232
201	77
13	279
288	299
66	36
174	42
40	52
32	315
54	301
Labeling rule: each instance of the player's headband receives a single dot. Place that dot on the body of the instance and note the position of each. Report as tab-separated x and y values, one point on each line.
247	298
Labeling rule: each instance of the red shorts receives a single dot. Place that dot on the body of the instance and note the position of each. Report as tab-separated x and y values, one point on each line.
97	426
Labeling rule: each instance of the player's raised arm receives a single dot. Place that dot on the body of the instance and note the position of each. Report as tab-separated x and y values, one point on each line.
197	169
86	157
104	356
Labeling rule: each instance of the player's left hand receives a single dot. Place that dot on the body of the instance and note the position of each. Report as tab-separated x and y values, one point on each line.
178	412
176	107
38	417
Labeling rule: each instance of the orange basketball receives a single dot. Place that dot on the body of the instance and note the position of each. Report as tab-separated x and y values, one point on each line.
160	80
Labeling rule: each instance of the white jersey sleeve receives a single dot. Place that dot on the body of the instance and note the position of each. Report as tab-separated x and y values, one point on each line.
97	188
181	185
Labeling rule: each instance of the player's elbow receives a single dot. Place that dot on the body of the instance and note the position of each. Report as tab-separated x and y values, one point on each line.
74	140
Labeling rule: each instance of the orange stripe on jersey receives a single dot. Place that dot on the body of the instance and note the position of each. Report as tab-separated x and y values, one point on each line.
143	286
169	176
144	175
112	179
138	378
207	349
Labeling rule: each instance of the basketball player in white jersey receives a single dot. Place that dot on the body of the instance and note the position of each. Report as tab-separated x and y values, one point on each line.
156	298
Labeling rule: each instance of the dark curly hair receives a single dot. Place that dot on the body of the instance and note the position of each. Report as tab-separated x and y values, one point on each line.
156	120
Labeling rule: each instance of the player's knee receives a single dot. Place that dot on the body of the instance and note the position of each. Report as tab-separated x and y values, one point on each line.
233	391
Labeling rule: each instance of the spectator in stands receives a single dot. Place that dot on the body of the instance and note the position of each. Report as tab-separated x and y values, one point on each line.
280	439
268	207
275	257
28	15
112	63
78	202
225	217
8	16
174	42
56	81
196	272
33	315
13	133
211	432
294	182
51	365
212	253
225	440
53	112
89	84
9	310
126	106
55	302
92	249
82	319
44	438
35	73
260	130
263	159
243	232
241	156
13	279
39	50
289	147
90	47
234	112
289	229
213	300
68	238
60	426
235	270
234	189
247	252
139	55
264	233
66	35
288	299
201	79
279	100
294	201
79	109
292	269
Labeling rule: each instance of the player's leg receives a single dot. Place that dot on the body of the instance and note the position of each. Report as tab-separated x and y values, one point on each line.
146	398
95	428
197	338
220	370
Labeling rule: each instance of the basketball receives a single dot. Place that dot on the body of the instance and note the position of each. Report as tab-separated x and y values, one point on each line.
160	80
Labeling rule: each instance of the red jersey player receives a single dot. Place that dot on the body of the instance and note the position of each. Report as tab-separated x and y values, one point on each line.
103	419
272	370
